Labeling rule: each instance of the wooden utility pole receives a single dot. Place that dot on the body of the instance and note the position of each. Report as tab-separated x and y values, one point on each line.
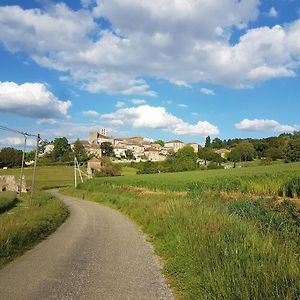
34	167
22	166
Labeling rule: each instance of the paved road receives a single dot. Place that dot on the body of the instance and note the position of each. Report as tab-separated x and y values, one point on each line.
96	254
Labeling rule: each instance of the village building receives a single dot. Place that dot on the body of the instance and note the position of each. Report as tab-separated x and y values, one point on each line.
195	146
153	154
93	165
138	150
222	152
119	151
90	148
175	145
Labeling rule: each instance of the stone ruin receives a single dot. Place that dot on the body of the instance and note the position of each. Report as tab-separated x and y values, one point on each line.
9	183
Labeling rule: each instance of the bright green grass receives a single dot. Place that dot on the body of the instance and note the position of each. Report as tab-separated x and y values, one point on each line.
127	171
261	179
25	225
46	176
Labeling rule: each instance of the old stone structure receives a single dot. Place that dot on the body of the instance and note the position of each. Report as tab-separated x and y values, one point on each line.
9	183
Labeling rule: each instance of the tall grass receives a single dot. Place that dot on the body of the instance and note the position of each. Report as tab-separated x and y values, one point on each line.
263	180
7	201
24	225
214	248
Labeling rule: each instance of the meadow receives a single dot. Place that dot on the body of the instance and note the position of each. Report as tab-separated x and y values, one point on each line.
222	234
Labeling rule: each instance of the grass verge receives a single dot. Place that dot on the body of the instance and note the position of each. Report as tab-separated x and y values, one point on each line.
7	201
24	226
214	248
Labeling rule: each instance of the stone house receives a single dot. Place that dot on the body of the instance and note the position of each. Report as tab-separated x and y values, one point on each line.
175	145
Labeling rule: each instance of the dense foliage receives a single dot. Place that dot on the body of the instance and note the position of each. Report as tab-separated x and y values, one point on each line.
10	157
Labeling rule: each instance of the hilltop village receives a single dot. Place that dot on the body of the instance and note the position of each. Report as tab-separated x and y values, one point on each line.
135	148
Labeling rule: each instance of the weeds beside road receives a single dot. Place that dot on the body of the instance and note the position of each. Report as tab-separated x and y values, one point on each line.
221	237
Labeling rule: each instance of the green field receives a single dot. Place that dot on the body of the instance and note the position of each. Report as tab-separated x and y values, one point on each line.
46	176
260	179
222	234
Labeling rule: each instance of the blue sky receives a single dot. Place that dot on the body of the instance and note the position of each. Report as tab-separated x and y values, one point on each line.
161	69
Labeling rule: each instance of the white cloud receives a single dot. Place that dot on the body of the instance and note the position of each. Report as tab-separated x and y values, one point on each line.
17	141
207	92
273	12
31	100
195	114
183	105
264	125
151	117
137	101
46	121
184	42
180	83
91	114
120	104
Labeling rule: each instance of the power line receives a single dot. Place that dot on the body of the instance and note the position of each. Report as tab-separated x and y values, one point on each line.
17	131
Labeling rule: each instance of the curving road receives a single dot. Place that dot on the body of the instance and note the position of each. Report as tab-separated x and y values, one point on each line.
96	254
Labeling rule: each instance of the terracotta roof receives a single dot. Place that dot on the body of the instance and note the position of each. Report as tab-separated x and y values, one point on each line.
151	149
175	141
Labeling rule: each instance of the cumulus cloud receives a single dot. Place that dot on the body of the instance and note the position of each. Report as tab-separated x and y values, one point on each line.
31	100
263	125
273	12
120	104
137	101
183	42
17	141
46	121
91	114
182	105
151	117
207	92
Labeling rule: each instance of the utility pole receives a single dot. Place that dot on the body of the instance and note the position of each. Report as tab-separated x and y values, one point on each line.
34	168
75	175
22	166
76	167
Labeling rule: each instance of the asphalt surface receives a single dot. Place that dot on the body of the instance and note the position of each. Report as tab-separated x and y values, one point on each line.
96	254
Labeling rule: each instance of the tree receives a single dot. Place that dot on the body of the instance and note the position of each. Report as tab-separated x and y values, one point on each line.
291	151
30	155
217	143
42	146
129	154
207	142
107	149
79	151
10	157
246	150
61	149
273	153
234	156
206	154
186	158
160	142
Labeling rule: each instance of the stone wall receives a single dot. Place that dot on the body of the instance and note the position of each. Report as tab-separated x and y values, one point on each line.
9	183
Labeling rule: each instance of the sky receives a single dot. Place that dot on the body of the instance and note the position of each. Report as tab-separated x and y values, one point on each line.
162	69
